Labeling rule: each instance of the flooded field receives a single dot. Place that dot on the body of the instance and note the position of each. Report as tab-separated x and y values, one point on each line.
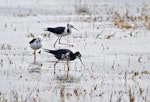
113	39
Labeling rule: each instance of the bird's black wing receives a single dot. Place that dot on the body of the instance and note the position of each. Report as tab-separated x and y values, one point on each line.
32	41
57	30
61	53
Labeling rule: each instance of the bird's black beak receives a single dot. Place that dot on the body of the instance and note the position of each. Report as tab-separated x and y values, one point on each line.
81	61
75	28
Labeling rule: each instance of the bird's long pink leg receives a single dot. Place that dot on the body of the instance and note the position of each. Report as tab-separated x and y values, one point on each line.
56	41
64	43
68	66
67	73
68	69
34	56
55	65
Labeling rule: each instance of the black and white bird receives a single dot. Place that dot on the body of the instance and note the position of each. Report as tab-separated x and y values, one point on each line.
35	44
64	55
60	32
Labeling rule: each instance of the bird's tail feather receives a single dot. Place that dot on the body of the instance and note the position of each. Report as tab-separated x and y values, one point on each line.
46	50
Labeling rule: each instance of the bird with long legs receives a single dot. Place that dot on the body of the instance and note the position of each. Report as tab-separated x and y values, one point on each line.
61	32
35	44
64	55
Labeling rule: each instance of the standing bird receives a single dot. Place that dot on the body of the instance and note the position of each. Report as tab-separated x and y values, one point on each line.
64	55
60	32
35	44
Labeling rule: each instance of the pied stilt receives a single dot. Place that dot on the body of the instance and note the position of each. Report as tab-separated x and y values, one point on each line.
64	55
60	32
35	44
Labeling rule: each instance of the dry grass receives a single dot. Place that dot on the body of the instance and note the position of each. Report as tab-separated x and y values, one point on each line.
131	97
122	24
95	90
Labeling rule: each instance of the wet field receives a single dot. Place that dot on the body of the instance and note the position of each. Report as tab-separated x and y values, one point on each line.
113	40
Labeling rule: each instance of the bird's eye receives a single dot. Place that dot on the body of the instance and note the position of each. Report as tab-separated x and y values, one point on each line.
79	55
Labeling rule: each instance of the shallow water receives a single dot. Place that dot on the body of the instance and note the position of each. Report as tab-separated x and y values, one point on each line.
116	59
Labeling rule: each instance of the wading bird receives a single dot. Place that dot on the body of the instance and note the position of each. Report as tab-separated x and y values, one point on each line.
64	55
61	32
35	44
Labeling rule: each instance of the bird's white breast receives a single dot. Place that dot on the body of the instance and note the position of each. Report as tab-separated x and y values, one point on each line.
37	44
65	33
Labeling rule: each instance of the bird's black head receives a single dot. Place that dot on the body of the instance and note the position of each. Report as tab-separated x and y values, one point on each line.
78	55
69	26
